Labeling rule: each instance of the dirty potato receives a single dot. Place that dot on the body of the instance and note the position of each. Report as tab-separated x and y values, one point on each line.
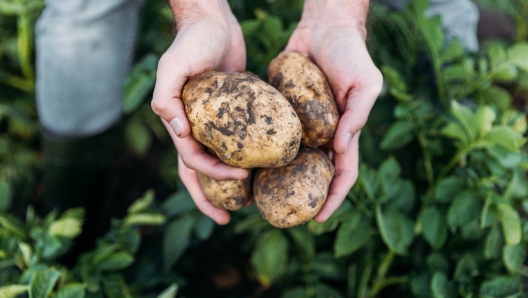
229	194
305	86
247	122
294	194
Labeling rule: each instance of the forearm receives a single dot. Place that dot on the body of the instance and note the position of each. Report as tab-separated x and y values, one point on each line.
187	11
340	12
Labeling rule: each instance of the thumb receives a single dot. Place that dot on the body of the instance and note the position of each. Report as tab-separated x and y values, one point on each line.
166	101
358	106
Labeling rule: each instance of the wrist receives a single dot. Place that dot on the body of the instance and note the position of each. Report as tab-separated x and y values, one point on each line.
336	13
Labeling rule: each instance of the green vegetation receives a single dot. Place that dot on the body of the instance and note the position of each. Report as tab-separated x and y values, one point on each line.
440	208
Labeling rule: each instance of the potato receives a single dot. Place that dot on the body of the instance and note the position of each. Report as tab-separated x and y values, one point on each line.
247	122
294	194
306	88
229	194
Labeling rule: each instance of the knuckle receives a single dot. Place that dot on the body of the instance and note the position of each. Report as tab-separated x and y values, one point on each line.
159	107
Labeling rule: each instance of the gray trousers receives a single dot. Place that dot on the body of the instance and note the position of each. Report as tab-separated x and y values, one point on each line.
84	49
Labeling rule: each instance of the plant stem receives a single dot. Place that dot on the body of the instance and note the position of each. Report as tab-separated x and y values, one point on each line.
363	283
378	286
450	165
426	160
385	264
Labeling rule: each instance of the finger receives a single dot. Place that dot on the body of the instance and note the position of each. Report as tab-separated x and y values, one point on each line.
358	106
346	176
191	182
196	158
166	101
250	201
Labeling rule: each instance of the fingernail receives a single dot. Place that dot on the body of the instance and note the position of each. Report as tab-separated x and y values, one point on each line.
347	141
177	126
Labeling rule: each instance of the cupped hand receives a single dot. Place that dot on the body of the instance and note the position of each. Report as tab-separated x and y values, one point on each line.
209	39
338	47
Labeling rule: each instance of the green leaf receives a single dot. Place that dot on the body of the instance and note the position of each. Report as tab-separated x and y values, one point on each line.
169	292
177	203
493	244
506	75
513	257
501	286
330	224
249	27
518	186
352	234
494	95
114	286
466	117
204	227
397	231
13	225
511	224
490	215
464	70
12	291
485	117
176	239
143	203
466	268
448	188
152	219
394	77
26	252
270	257
452	51
464	209
138	138
440	286
324	291
389	170
398	135
43	282
400	95
66	227
506	137
369	180
420	285
436	262
496	54
434	227
297	292
115	261
455	131
73	290
138	85
303	240
5	194
518	55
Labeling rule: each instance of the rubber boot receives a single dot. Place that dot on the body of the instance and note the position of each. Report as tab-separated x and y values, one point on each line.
77	173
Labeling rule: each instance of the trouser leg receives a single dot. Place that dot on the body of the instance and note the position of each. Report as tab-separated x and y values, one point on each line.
84	49
459	18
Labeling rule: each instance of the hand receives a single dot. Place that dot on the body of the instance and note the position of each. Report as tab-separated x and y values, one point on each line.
209	36
337	46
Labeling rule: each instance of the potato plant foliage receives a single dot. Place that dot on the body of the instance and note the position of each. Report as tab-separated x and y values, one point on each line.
440	208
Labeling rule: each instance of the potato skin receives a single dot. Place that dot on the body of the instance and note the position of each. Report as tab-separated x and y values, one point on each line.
247	122
306	88
294	194
229	194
